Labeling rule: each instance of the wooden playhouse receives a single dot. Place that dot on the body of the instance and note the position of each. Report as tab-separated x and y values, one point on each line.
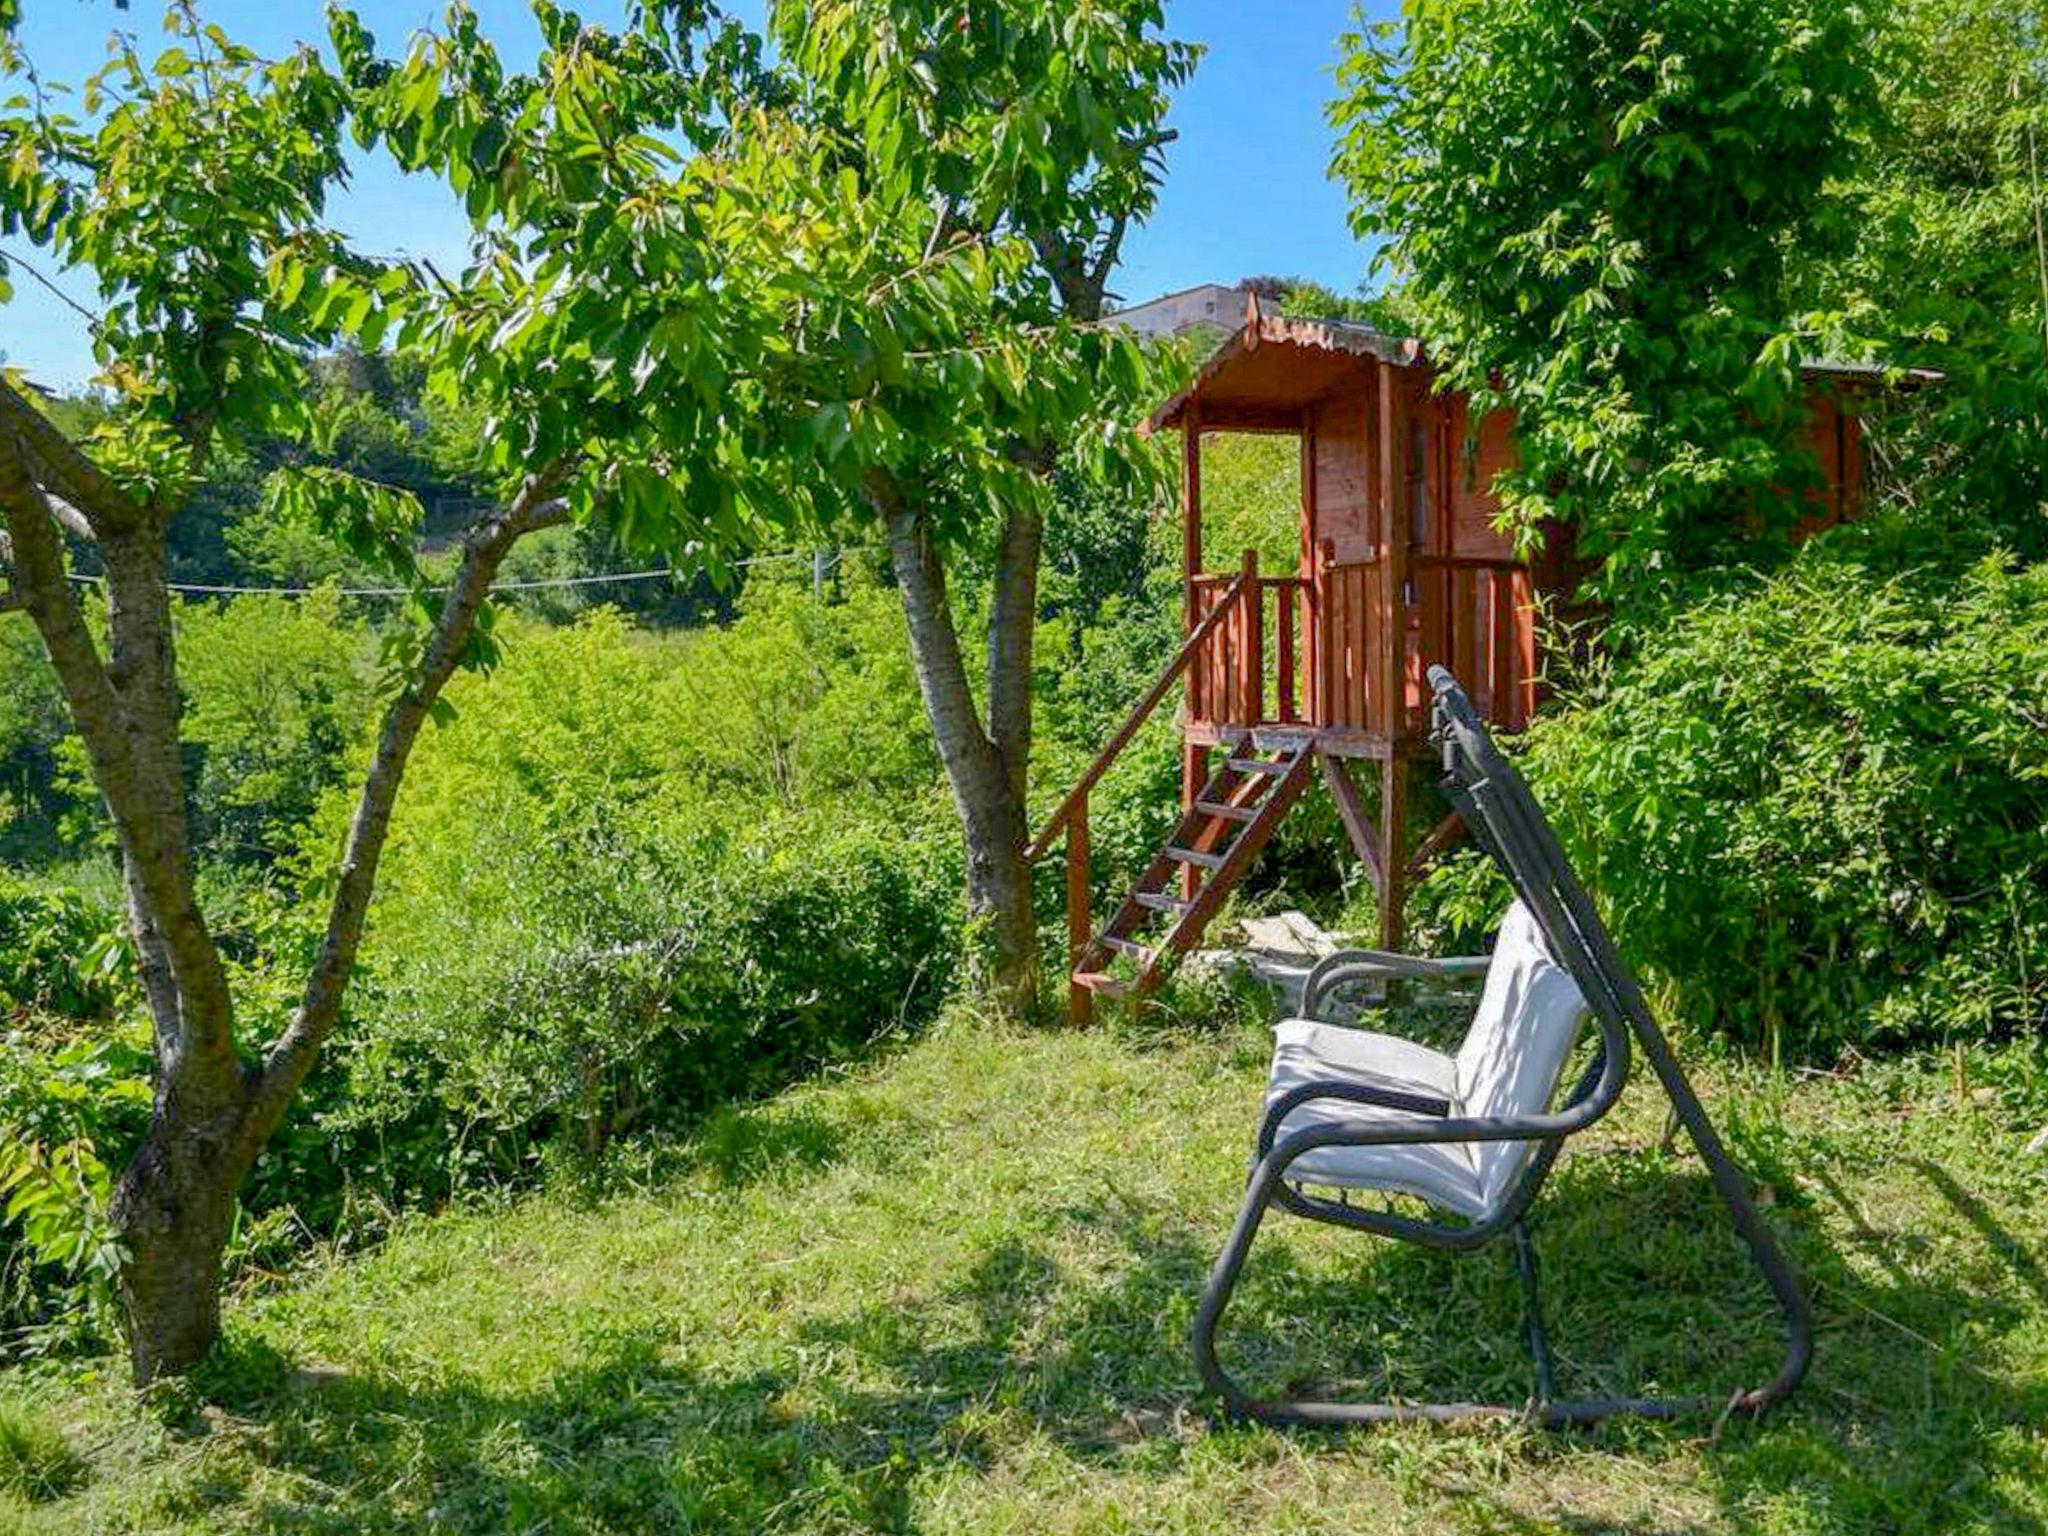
1318	672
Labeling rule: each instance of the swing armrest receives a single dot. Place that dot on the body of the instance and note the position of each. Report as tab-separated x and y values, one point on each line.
1421	1129
1348	967
1426	1104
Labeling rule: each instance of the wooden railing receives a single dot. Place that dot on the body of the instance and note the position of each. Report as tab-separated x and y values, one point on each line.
1344	683
1477	630
1236	672
1074	807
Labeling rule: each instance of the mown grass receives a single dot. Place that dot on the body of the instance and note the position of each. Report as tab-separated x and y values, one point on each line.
952	1293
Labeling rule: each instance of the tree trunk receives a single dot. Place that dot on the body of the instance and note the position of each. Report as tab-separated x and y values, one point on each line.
1012	628
984	768
174	1207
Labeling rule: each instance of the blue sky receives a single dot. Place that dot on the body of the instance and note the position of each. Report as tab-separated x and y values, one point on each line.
1246	189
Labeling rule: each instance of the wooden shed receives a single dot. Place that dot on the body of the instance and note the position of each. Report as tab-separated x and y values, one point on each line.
1318	671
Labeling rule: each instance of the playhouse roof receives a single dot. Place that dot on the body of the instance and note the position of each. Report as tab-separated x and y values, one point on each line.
1275	367
1265	375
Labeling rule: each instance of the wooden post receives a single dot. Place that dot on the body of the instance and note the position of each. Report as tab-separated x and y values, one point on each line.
1284	606
1392	681
1190	505
1080	1001
1307	568
1393	849
1251	690
1324	710
1194	760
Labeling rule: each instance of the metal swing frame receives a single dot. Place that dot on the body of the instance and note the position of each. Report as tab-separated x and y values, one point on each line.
1505	820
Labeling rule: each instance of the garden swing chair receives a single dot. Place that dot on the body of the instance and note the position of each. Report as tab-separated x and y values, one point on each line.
1473	1135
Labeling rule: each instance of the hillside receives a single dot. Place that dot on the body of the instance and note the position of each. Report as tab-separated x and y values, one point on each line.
951	1292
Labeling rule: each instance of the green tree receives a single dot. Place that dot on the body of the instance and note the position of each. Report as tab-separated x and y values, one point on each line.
1952	234
695	347
1593	211
193	197
1033	129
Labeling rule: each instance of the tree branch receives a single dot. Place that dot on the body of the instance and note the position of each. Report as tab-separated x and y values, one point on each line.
58	465
1105	263
41	587
155	836
44	591
484	549
1069	272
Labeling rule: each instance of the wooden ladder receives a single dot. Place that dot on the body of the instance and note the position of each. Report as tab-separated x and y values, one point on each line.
1217	840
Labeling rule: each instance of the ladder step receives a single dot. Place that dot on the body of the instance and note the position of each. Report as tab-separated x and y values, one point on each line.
1199	860
1154	902
1227	812
1129	947
1098	981
1259	765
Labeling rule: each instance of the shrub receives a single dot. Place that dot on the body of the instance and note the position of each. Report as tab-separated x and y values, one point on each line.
629	880
73	1096
59	953
277	698
620	971
32	722
1818	809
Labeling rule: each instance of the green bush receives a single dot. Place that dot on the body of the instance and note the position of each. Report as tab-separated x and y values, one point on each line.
623	973
73	1096
277	704
59	953
1817	810
637	876
32	722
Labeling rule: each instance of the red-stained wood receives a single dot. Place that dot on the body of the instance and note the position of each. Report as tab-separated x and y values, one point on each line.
1352	813
1080	1001
1401	567
1390	675
1441	836
1393	883
1191	504
1252	660
1286	609
1140	712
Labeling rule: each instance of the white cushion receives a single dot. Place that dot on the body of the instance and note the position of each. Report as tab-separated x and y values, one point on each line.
1309	1052
1515	1051
1509	1064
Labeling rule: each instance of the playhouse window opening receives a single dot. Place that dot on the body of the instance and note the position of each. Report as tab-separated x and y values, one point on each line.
1251	499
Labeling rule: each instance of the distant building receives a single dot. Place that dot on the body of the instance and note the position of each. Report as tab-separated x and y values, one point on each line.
1216	309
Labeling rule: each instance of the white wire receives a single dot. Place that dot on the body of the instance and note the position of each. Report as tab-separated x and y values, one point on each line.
197	589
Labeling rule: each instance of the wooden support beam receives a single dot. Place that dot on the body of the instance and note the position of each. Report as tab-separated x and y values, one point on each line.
1441	836
1194	774
1393	839
1190	507
1251	650
1351	811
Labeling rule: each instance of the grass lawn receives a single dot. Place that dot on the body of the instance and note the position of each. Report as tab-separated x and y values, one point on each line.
953	1292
